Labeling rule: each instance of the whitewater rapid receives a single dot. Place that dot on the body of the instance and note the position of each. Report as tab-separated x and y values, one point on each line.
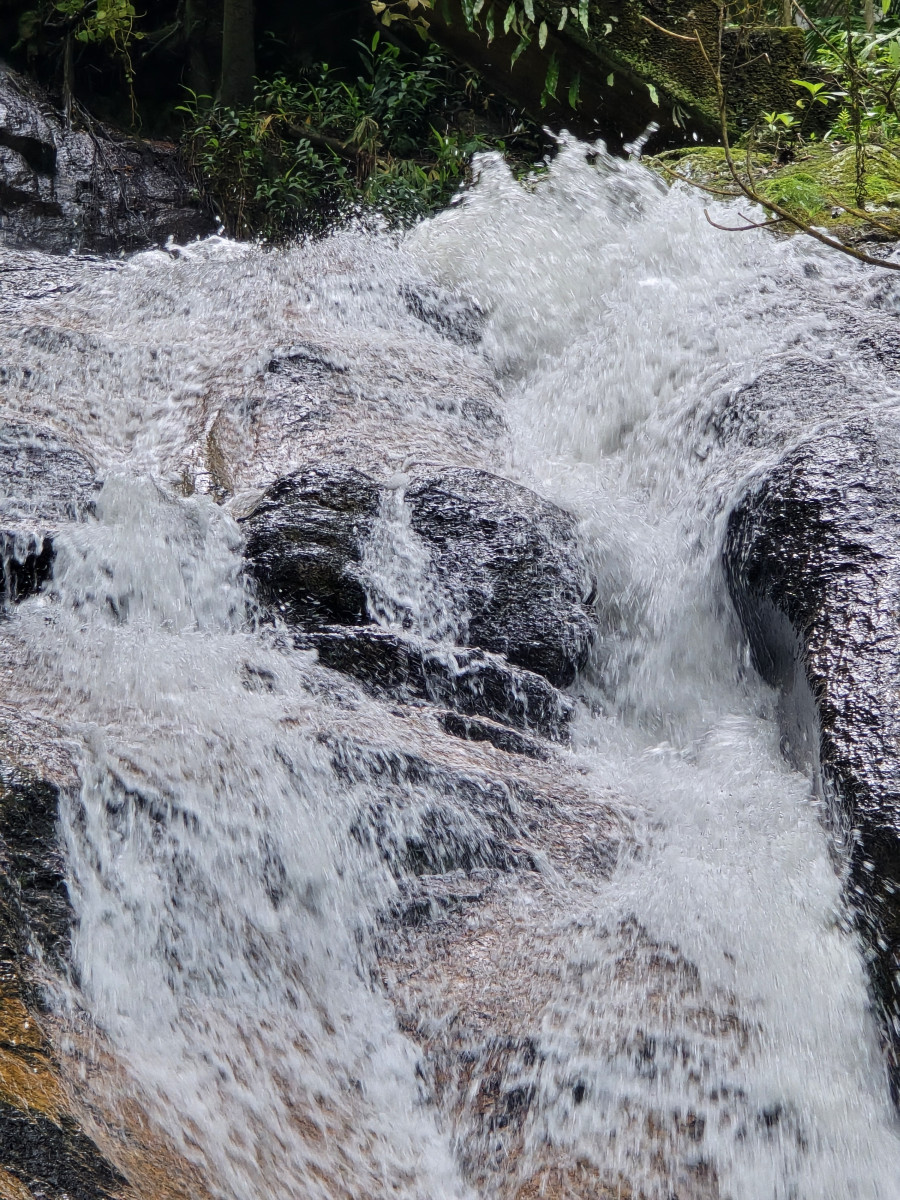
229	915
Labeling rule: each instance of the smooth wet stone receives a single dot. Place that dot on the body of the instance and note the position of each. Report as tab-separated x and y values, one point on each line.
812	559
305	542
41	1144
510	559
64	189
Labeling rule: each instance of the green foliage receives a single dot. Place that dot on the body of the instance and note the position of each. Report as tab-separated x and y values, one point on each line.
109	24
310	152
511	16
871	62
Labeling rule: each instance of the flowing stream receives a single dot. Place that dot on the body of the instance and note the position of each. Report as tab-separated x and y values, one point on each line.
698	1021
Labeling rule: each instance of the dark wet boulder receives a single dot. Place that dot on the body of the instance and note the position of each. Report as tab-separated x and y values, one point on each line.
812	559
305	542
86	188
44	482
511	559
41	1145
465	680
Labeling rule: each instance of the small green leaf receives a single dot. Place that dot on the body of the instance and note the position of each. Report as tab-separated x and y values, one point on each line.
575	91
542	35
551	80
654	95
524	40
477	7
563	17
510	17
529	9
610	79
489	24
583	14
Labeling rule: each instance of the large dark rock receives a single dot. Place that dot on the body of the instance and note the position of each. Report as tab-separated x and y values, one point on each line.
41	1145
812	559
87	189
509	559
43	482
305	541
512	560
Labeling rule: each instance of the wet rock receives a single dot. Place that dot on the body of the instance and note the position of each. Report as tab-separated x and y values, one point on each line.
465	680
458	318
35	914
43	482
474	729
305	542
511	559
812	559
41	1145
88	189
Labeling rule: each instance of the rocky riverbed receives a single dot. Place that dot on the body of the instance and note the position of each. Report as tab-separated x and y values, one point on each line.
389	800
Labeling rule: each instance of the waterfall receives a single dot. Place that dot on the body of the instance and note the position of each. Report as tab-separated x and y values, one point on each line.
690	1017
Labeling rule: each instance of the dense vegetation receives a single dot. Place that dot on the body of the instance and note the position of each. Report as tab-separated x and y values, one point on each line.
291	117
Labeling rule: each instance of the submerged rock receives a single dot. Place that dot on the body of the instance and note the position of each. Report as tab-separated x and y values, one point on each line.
43	1150
88	189
812	559
468	681
43	482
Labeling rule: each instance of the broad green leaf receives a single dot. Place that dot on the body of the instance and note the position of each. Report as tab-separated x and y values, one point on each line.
489	24
654	95
542	35
552	79
610	79
524	40
529	9
510	17
894	53
477	7
563	17
583	14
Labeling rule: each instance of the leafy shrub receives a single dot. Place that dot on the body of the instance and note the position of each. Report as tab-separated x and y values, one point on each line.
397	140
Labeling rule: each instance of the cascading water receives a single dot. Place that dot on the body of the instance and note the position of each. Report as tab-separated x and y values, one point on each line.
695	1021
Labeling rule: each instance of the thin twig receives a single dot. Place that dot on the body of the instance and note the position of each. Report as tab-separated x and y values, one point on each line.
668	32
742	228
704	187
856	212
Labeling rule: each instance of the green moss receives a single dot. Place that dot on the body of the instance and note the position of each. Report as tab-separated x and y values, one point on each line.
815	185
